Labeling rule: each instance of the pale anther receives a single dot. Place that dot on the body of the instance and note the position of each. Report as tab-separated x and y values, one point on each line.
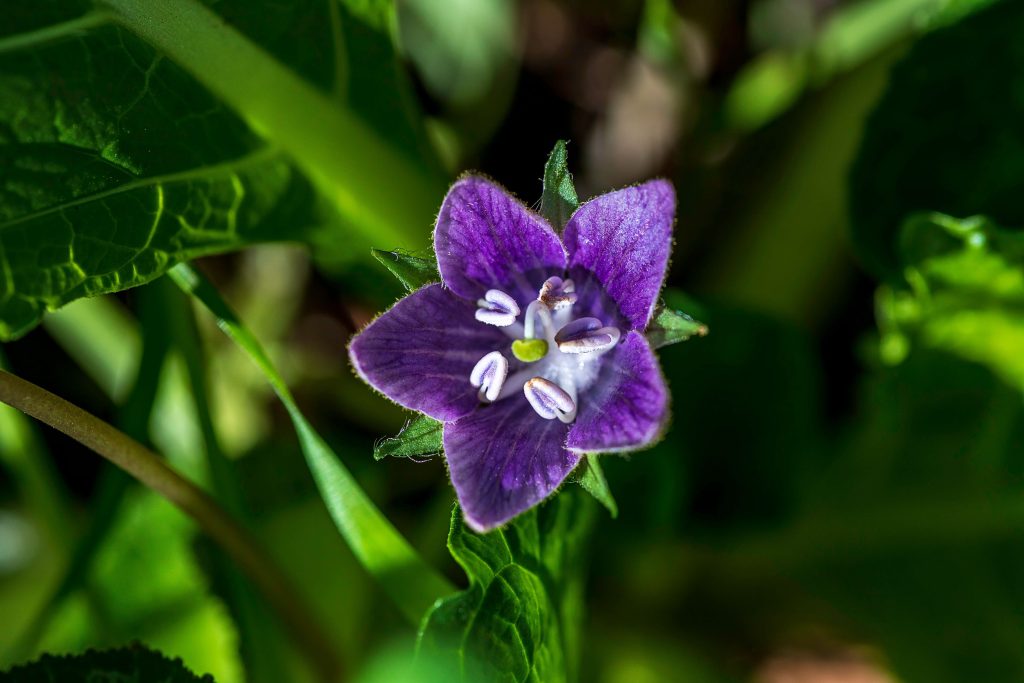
549	400
557	293
489	375
586	335
497	308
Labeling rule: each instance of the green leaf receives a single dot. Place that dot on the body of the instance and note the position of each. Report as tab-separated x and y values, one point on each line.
412	271
149	170
590	476
135	663
176	133
420	438
559	200
965	294
671	327
380	548
520	618
460	47
915	155
374	82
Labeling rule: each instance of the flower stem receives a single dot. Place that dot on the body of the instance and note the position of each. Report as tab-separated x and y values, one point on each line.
153	472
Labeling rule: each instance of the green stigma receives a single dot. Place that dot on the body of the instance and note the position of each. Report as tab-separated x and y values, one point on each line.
529	350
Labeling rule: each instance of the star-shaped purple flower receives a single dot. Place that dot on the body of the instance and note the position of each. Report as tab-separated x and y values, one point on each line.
531	351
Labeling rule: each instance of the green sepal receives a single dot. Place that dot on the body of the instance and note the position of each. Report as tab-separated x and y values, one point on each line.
590	476
671	327
419	438
559	201
412	271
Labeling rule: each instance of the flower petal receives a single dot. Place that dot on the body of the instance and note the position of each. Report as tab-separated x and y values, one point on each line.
421	352
504	459
626	406
624	239
487	239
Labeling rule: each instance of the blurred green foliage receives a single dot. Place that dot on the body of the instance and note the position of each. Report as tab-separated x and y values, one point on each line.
837	492
947	136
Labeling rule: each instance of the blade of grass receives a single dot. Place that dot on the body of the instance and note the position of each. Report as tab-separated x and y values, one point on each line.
151	470
354	166
411	583
258	643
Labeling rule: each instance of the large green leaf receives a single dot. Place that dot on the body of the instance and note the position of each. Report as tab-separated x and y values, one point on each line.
134	663
947	136
520	618
126	166
134	136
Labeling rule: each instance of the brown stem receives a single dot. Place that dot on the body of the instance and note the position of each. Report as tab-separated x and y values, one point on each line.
153	472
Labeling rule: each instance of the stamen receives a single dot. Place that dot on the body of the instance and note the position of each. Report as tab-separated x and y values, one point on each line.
550	400
537	310
497	308
489	375
586	335
557	293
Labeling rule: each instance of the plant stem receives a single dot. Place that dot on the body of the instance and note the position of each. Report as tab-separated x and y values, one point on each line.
377	190
154	473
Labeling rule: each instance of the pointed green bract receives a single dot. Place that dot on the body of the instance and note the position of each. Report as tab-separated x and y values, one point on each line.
671	327
520	618
420	438
412	271
559	201
591	477
135	663
380	548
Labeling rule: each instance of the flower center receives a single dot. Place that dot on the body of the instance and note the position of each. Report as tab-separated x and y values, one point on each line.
562	353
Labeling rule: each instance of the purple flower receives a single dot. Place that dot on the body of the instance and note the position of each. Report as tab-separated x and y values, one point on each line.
531	351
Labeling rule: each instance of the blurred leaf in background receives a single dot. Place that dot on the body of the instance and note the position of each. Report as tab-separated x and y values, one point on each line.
964	294
947	136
